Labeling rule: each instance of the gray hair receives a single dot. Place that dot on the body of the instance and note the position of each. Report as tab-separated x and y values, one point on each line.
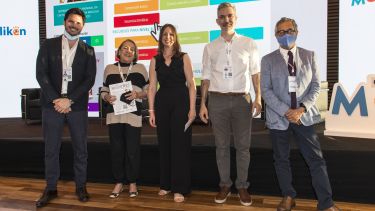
285	19
225	5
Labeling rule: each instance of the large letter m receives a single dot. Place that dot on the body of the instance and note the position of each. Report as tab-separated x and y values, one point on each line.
358	99
357	2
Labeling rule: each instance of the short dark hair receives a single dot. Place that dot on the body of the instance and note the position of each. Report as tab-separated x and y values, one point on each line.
285	19
75	11
176	45
135	50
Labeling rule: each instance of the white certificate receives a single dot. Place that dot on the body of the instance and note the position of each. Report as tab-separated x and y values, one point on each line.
121	105
188	123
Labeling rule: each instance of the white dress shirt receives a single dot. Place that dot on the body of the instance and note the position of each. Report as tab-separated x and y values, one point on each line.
284	53
68	55
241	53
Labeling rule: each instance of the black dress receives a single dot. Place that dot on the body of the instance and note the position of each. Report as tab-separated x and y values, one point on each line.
171	113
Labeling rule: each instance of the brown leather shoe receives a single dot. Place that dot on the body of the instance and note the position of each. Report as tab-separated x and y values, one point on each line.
222	196
245	198
287	204
333	208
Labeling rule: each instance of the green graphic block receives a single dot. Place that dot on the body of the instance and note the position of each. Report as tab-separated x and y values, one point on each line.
97	40
175	4
193	37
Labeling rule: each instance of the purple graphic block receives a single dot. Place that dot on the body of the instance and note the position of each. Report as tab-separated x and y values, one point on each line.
93	106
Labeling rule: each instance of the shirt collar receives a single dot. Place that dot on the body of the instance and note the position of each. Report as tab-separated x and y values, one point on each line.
235	36
65	40
284	52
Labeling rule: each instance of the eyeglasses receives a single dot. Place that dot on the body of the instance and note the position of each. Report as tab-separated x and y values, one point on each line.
130	49
283	32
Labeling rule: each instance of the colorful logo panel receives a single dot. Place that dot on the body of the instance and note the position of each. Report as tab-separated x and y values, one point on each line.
12	31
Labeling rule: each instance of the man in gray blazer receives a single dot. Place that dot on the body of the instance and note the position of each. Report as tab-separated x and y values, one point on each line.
290	86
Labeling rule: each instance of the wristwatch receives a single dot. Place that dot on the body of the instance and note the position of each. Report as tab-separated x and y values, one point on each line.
303	106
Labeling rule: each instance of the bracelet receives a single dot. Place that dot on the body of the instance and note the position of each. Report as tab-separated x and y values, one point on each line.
151	110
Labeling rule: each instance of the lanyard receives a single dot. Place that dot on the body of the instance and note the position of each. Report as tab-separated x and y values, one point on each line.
67	57
228	52
122	74
68	53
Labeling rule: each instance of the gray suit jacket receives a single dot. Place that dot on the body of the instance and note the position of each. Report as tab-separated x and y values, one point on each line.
274	87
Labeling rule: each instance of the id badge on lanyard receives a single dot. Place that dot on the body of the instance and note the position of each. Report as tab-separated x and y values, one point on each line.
228	70
292	82
67	71
68	74
67	77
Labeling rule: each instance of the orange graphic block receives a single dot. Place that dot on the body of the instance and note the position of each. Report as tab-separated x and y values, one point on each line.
135	7
141	41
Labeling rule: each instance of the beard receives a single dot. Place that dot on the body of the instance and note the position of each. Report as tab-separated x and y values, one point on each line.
72	31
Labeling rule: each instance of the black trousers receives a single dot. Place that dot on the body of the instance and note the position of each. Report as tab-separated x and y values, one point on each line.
125	152
53	124
309	146
171	110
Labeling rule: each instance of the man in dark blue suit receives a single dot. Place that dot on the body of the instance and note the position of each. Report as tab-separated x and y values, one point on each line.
290	86
65	70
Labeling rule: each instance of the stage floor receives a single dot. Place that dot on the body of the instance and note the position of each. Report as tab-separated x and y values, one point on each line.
21	194
349	160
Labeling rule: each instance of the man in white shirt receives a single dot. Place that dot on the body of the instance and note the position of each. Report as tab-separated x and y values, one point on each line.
230	64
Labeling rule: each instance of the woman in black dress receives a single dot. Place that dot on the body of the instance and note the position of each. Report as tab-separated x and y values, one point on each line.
171	108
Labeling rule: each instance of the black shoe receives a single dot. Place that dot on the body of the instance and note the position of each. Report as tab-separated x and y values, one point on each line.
47	196
82	194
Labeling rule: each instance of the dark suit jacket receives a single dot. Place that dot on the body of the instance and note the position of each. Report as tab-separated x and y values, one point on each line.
49	73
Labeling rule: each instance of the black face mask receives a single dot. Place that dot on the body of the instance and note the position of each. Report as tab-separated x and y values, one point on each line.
124	99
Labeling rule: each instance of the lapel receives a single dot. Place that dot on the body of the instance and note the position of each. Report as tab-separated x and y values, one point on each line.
78	54
299	65
58	47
